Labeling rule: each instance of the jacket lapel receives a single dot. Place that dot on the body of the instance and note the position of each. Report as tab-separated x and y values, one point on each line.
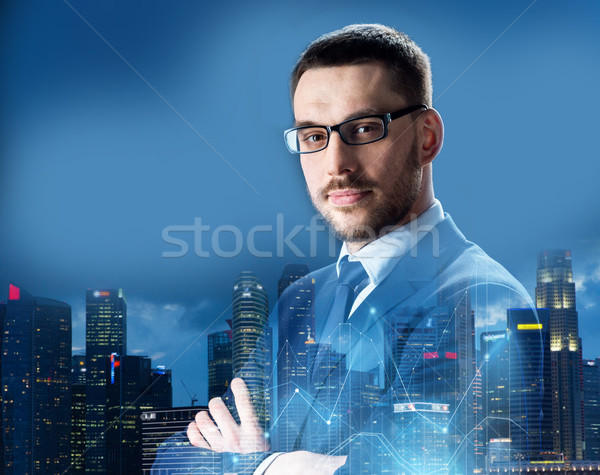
416	270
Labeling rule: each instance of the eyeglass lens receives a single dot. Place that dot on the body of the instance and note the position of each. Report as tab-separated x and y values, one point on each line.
354	132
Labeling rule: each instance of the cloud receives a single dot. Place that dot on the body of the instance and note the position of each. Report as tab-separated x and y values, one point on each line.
78	319
491	315
587	285
174	335
171	307
146	310
579	284
589	275
201	315
490	304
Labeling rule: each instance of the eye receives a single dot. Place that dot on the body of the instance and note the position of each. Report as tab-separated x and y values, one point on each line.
364	129
312	136
369	127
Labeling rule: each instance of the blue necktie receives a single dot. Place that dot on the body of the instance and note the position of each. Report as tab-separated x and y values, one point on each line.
352	275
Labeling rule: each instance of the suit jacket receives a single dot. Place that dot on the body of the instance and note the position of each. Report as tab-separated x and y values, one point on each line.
397	386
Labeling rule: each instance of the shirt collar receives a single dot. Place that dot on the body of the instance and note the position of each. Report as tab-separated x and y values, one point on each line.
380	256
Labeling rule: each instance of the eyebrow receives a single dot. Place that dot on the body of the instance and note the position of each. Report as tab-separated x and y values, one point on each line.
355	114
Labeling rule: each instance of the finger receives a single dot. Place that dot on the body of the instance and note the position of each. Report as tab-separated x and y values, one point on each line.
243	403
195	437
226	424
209	431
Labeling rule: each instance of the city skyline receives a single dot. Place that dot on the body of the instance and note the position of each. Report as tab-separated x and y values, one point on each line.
95	165
181	395
555	290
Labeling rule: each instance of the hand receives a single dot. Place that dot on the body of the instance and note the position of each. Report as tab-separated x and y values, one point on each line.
303	462
227	435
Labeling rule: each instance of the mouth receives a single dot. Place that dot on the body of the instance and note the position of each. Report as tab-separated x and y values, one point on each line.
347	197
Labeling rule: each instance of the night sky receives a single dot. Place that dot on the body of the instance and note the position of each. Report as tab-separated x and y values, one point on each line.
122	119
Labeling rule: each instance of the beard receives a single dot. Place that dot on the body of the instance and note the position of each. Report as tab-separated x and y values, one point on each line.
383	208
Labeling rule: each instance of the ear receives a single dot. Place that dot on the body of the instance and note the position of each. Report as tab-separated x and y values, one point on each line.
431	131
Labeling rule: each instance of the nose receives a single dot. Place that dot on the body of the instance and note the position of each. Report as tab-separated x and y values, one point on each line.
341	157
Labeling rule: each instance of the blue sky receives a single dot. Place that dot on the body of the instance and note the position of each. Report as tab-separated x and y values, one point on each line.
120	119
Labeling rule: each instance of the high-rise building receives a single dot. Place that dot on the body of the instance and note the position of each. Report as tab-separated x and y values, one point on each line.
78	374
160	393
250	314
422	345
555	290
432	350
161	423
36	384
296	330
296	327
220	369
498	452
530	376
132	387
129	390
2	316
591	401
457	340
422	445
495	385
329	417
269	375
106	334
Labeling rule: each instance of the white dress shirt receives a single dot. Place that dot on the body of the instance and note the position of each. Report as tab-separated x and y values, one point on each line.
380	256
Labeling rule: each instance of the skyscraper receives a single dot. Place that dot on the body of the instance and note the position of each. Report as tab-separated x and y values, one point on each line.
530	375
128	390
555	290
78	373
296	327
2	316
220	369
106	333
269	374
495	385
160	424
160	393
329	398
591	401
133	387
35	385
422	445
250	313
460	366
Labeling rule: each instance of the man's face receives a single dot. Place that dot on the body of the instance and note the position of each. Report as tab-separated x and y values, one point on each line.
359	189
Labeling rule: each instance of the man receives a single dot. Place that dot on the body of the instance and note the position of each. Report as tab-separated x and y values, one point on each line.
392	370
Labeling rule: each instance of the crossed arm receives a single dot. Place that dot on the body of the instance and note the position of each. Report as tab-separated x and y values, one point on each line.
226	435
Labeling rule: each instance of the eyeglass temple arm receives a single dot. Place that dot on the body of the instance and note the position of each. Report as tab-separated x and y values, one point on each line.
408	110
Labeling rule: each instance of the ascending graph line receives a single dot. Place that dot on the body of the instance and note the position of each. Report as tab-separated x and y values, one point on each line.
461	308
340	393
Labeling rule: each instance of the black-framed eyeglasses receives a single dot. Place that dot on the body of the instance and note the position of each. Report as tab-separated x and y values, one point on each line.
355	131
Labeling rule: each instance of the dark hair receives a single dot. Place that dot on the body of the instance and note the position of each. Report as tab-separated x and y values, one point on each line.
410	69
